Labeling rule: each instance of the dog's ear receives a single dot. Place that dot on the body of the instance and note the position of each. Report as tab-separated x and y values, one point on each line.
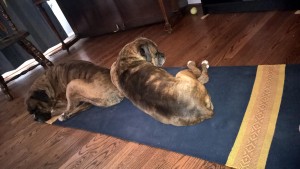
145	52
40	95
31	105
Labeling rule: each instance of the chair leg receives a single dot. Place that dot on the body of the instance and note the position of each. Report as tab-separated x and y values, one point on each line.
37	55
5	89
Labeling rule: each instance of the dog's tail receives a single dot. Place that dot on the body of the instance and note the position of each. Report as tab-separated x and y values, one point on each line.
208	103
209	107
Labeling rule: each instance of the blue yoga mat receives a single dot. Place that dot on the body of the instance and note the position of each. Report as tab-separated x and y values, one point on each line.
230	89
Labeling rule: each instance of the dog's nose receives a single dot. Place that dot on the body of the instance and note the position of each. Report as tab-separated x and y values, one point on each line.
161	54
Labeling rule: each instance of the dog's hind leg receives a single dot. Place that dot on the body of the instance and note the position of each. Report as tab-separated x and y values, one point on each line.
97	93
68	114
192	71
202	76
74	96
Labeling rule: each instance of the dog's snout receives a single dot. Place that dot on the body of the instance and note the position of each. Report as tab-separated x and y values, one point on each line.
161	58
42	117
34	117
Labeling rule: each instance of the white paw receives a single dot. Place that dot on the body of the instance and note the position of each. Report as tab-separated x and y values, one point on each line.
189	62
62	117
205	62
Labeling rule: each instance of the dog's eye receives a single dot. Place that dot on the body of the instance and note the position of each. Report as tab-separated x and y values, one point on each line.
142	52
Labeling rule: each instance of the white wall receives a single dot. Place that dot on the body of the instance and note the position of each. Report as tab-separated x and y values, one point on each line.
194	1
60	16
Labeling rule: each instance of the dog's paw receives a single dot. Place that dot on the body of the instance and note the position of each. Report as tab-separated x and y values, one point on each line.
62	117
206	63
191	63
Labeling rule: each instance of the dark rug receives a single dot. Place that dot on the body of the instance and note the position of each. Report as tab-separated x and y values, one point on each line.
213	140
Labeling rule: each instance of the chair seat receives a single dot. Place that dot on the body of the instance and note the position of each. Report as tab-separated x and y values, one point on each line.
12	38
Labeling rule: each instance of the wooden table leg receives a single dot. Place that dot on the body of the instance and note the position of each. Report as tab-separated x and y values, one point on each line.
5	89
65	46
168	26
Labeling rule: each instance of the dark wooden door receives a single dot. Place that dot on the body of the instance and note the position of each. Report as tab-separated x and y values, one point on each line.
223	6
139	12
92	17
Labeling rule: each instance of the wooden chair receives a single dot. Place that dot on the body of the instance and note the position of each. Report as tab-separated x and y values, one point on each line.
15	36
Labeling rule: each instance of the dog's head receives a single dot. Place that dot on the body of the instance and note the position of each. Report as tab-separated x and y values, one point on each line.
144	49
39	105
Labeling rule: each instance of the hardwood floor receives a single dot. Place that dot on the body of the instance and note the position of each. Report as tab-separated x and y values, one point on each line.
222	39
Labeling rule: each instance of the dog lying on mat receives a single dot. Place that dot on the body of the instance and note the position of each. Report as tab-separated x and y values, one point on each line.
71	87
182	100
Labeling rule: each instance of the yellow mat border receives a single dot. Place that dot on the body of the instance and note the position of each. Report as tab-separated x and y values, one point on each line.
269	81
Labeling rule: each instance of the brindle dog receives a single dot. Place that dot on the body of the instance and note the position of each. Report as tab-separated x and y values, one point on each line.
71	87
182	100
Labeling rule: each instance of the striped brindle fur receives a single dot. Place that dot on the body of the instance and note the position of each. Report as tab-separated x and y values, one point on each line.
182	100
70	87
